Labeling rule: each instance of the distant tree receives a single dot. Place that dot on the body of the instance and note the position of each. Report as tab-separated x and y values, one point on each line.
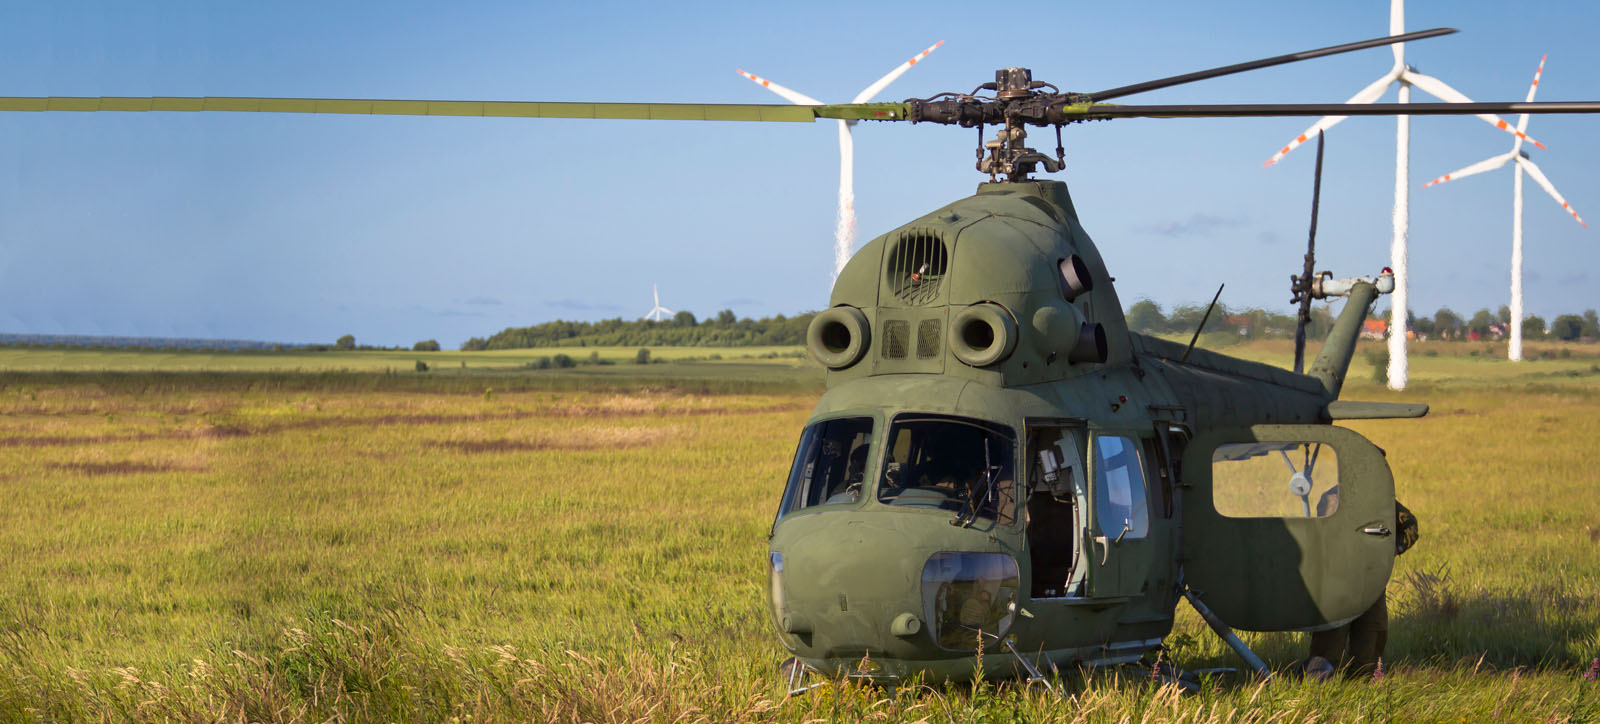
346	342
726	317
1423	326
1321	323
1567	327
562	361
1591	323
1145	317
642	357
1504	314
684	319
1533	327
1480	323
475	344
426	345
1447	323
422	366
1187	317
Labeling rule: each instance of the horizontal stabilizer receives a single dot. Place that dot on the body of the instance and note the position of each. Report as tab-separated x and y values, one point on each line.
1353	410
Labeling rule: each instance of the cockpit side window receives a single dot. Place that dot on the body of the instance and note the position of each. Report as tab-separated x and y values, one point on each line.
830	465
958	464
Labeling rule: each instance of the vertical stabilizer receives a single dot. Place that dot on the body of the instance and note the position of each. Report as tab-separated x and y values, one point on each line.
1333	362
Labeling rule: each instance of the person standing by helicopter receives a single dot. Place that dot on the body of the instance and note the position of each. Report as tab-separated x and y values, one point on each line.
1357	646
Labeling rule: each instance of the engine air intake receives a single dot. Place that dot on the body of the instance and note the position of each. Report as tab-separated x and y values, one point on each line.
838	337
916	266
983	334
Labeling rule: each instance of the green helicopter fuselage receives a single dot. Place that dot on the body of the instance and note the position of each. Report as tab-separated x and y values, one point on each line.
999	464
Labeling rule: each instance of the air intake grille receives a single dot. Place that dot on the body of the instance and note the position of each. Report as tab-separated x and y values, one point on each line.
928	339
896	335
916	267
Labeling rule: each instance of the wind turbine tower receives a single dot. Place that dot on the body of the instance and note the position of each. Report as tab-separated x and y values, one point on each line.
844	233
1522	163
1406	77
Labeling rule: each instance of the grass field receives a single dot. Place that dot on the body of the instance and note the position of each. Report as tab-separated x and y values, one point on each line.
251	546
59	359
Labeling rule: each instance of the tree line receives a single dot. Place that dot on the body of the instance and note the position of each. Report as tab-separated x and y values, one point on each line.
1146	317
724	329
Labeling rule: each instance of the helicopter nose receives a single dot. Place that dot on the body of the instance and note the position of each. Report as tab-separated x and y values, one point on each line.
887	586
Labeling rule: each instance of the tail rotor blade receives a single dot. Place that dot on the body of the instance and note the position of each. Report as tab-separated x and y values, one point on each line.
1303	286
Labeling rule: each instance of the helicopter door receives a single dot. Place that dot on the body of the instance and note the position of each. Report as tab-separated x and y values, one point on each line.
1057	497
1118	547
1286	526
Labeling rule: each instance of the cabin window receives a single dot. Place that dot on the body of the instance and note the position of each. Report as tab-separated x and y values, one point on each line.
1275	480
1121	506
953	463
830	465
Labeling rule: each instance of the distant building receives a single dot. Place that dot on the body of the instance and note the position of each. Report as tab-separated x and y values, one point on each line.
1374	329
1240	322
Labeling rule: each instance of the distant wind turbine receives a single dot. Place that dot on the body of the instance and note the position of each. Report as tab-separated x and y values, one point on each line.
844	233
1405	76
1523	163
658	312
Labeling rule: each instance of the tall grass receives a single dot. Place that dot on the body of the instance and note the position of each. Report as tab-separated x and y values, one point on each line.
188	548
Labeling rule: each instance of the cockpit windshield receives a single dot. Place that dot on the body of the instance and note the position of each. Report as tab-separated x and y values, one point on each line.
830	465
954	463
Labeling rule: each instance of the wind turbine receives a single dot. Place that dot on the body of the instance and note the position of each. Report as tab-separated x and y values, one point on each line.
657	312
1523	163
844	233
1406	77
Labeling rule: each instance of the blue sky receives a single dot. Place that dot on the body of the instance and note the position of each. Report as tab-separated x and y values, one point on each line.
303	228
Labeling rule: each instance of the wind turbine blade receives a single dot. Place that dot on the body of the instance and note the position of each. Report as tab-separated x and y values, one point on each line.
1522	121
795	97
1397	26
878	86
1441	90
1538	177
1488	164
1365	95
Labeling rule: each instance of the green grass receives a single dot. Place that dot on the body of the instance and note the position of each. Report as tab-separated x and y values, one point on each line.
246	545
125	360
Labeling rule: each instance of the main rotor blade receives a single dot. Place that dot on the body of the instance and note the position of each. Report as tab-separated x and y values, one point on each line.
1262	110
1266	63
501	109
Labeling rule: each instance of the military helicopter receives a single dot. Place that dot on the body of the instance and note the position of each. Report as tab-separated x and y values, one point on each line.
998	465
